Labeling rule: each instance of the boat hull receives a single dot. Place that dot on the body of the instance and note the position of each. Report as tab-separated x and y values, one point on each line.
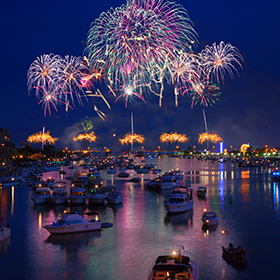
59	200
178	207
5	233
77	200
73	228
41	200
238	258
96	199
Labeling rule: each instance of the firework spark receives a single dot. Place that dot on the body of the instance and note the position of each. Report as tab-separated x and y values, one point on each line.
40	137
173	137
129	138
218	60
211	137
85	137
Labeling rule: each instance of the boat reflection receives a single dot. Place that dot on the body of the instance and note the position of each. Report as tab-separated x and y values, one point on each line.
80	209
185	218
238	266
60	208
42	208
74	241
4	245
115	207
206	228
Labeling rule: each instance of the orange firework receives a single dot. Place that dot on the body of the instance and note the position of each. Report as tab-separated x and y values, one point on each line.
40	137
129	138
211	137
86	136
173	137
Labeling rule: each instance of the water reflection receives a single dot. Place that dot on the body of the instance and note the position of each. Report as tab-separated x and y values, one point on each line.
208	229
4	245
185	219
73	242
238	266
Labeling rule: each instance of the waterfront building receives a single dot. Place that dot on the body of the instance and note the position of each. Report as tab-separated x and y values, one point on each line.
6	148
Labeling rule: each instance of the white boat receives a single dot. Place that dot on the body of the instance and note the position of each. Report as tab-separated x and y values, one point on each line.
41	195
49	183
10	182
169	181
210	218
201	191
180	201
143	169
112	171
73	223
114	197
59	194
174	266
77	195
5	231
96	198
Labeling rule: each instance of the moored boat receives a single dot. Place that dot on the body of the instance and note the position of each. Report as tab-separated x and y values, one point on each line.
174	266
77	193
180	200
59	194
201	192
5	231
237	254
209	218
41	195
73	223
114	197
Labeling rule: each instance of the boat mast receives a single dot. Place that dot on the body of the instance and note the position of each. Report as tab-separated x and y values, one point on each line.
132	132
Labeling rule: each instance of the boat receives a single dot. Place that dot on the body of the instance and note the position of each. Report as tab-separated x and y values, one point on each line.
77	193
114	197
41	195
237	254
10	182
201	191
180	200
154	183
5	231
210	218
49	183
62	171
174	266
123	174
169	181
59	194
112	171
73	223
275	175
106	225
135	179
96	195
142	169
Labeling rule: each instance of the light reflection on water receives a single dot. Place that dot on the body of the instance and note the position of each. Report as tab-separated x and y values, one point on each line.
246	201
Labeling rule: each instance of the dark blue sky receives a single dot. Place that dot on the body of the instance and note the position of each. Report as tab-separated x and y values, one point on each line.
248	110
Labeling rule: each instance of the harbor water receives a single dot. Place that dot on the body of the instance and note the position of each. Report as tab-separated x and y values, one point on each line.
245	199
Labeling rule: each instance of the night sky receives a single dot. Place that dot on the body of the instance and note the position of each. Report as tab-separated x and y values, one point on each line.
248	109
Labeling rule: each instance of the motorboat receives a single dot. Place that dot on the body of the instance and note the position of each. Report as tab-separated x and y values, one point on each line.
237	254
41	195
77	193
169	181
275	175
123	174
201	191
59	194
114	197
49	183
37	182
143	169
112	171
135	179
180	200
5	231
96	196
10	182
209	218
73	223
154	183
174	266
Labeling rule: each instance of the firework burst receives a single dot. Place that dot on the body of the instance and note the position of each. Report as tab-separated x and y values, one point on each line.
129	138
173	137
40	137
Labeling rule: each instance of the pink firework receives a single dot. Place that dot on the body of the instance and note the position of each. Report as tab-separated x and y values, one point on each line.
51	96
